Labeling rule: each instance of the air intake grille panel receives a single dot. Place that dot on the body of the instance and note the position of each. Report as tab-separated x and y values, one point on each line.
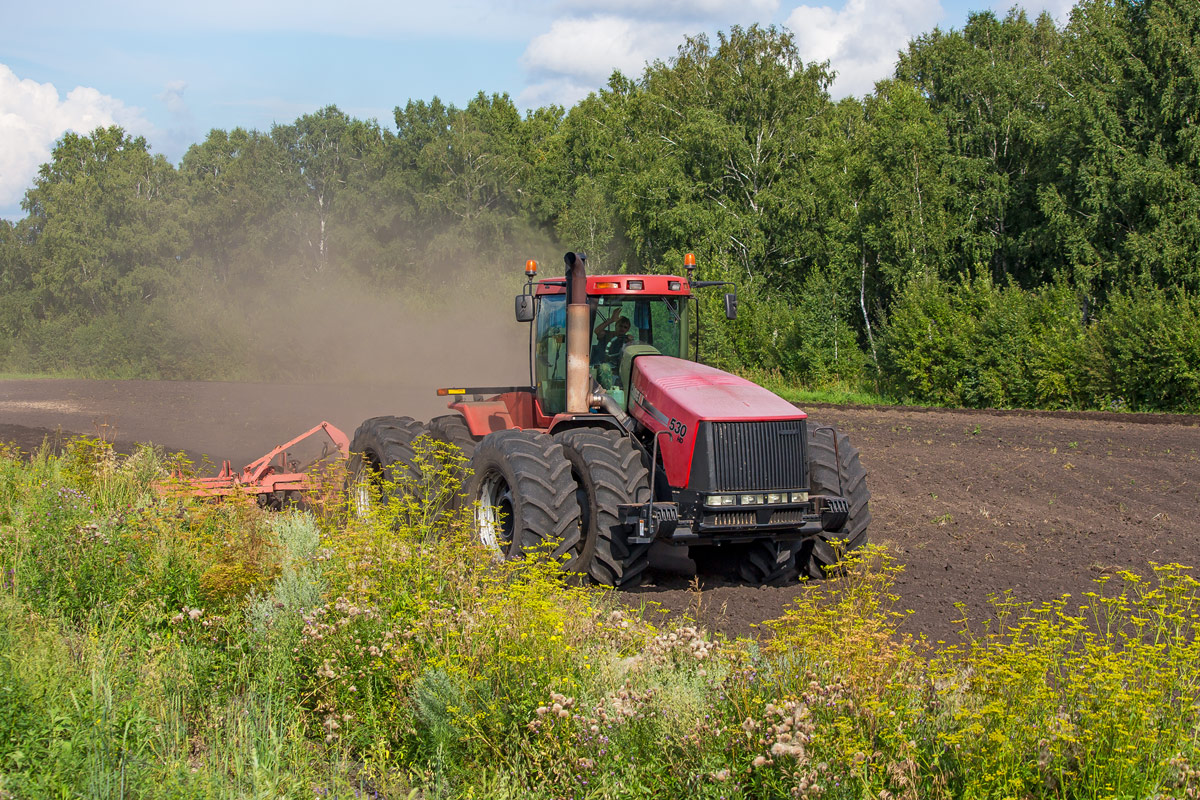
754	456
734	519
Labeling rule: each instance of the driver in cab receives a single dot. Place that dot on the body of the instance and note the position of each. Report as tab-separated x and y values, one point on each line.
610	342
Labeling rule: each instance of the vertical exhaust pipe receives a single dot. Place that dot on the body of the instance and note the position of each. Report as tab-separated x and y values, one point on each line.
579	335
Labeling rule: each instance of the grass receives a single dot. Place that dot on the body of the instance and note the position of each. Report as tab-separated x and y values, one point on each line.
835	393
30	376
153	647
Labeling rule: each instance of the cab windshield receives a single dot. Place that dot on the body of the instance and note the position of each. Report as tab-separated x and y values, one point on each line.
617	321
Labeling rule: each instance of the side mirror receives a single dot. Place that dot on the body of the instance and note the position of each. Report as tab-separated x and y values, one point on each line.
730	305
524	308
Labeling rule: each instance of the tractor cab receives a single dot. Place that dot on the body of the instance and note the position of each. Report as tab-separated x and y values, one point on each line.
630	315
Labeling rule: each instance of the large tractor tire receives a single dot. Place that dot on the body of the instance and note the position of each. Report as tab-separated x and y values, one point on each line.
835	473
381	456
521	481
452	429
609	472
769	562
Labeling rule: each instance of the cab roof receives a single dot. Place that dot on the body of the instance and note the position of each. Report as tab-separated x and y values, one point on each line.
621	285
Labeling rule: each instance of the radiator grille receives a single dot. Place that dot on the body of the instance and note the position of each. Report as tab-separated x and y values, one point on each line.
734	519
750	456
793	517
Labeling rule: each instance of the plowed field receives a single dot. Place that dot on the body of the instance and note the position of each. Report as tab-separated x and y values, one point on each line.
973	503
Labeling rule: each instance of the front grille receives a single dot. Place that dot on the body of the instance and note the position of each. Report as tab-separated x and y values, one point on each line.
750	456
793	516
733	519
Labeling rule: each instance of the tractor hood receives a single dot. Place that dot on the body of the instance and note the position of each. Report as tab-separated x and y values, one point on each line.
675	395
697	392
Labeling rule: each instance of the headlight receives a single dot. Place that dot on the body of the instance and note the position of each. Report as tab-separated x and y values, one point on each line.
752	499
777	498
799	497
715	500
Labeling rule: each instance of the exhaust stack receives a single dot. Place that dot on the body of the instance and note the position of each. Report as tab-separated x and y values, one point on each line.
578	335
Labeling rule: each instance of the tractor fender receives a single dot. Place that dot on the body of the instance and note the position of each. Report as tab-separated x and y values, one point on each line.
566	422
485	416
505	411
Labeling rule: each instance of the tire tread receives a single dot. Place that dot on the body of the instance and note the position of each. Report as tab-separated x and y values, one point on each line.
544	492
841	473
618	476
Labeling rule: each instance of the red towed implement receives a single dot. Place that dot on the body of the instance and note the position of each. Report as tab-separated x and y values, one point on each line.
278	478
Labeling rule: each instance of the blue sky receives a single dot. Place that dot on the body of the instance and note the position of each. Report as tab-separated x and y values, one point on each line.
172	72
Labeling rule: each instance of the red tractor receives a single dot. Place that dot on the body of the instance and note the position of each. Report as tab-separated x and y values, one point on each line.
621	442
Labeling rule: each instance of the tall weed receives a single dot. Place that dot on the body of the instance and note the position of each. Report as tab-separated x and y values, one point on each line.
386	653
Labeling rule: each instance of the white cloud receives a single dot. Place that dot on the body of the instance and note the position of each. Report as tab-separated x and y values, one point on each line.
592	48
592	38
579	52
561	91
172	97
577	56
33	117
861	39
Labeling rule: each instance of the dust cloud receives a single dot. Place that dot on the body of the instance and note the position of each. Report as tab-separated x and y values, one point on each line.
258	359
351	336
338	348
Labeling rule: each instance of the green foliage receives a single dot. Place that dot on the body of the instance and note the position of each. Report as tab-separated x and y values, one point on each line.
991	85
103	226
238	201
389	654
972	343
1145	351
812	338
155	341
834	394
906	220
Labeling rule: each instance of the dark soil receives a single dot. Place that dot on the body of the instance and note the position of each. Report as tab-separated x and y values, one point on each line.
972	503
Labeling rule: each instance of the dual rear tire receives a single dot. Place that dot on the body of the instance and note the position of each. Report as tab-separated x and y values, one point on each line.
381	460
561	493
524	496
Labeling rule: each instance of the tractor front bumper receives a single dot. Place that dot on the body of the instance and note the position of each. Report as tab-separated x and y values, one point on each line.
649	522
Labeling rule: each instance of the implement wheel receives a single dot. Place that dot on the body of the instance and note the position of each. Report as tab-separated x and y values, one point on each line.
609	472
522	483
842	474
381	456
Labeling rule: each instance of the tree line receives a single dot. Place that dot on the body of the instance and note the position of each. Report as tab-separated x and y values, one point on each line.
1011	219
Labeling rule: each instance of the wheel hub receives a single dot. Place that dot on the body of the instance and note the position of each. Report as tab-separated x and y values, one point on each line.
494	517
